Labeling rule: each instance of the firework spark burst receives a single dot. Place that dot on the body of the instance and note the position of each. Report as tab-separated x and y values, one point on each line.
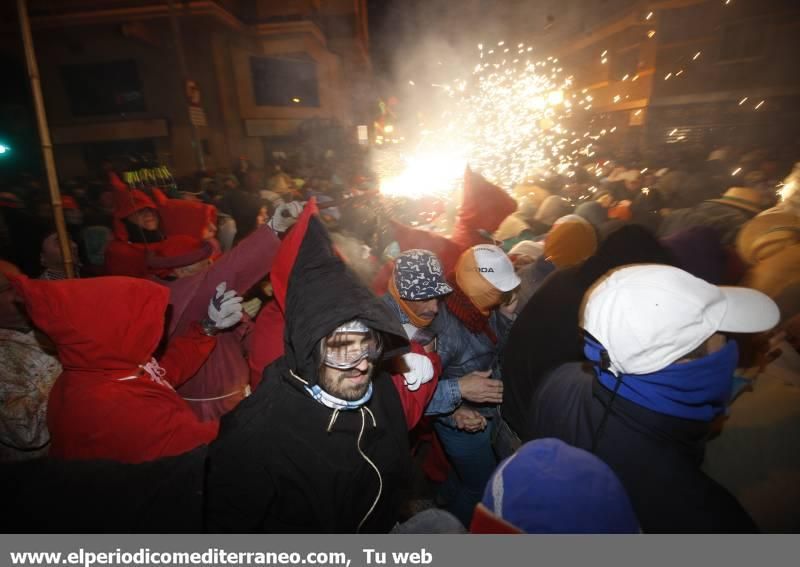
508	121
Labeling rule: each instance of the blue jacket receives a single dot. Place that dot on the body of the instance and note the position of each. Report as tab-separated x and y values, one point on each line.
463	352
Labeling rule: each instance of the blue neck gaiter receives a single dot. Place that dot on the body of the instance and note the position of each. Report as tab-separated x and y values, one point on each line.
697	390
332	402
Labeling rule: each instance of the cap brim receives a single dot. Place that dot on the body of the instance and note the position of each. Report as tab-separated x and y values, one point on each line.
512	282
442	289
749	311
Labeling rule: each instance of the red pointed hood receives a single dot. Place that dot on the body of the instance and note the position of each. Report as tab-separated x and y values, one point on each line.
287	253
98	324
483	207
318	292
410	238
127	201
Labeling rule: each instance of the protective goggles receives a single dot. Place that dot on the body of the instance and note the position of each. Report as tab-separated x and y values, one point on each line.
346	347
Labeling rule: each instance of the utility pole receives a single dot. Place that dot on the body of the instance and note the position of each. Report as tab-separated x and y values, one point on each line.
44	136
177	40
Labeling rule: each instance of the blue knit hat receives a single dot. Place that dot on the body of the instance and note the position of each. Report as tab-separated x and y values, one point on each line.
551	487
418	276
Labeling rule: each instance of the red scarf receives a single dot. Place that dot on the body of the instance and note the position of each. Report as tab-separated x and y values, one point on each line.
463	309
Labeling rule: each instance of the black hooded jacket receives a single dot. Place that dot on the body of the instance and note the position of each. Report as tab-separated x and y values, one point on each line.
284	462
546	334
657	457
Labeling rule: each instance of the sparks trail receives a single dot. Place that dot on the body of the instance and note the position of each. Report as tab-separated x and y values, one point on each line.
509	120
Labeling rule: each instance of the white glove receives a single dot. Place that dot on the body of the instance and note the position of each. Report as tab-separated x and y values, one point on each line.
225	310
286	214
420	370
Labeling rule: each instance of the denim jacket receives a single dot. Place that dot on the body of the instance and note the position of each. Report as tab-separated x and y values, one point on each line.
463	352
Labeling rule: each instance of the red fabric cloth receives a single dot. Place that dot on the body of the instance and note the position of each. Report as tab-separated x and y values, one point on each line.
104	329
483	207
436	466
484	522
267	344
128	259
266	341
287	253
186	217
414	403
226	374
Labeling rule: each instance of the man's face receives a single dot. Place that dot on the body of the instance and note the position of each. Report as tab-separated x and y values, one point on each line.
145	218
424	309
350	384
51	253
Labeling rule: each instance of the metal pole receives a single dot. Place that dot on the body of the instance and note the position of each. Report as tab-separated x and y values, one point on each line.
44	136
177	40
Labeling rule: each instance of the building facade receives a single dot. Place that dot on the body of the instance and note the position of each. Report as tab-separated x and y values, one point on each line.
685	73
259	73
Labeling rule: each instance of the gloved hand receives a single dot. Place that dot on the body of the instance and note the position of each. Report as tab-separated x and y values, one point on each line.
224	311
420	370
252	307
286	214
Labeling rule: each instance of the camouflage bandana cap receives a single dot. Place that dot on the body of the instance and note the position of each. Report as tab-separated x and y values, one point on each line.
418	276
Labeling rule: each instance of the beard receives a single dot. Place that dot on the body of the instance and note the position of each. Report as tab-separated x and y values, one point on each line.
349	385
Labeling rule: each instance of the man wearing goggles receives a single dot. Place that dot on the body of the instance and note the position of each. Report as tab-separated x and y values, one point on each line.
348	358
322	444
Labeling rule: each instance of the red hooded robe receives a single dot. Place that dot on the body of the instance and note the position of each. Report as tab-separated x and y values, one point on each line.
100	407
177	217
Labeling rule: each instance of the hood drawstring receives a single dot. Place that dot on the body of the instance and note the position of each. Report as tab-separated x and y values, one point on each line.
370	463
604	363
155	371
334	416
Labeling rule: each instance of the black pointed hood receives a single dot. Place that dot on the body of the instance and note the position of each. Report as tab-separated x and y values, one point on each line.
317	292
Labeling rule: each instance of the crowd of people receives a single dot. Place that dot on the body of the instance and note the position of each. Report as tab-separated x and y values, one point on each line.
286	350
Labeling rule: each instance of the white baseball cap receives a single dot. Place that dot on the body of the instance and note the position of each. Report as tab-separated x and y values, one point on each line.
527	248
649	316
495	267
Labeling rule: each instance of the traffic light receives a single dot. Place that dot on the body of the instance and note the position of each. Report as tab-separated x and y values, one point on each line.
4	150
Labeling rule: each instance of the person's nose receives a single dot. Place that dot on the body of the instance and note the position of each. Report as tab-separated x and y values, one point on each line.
363	365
